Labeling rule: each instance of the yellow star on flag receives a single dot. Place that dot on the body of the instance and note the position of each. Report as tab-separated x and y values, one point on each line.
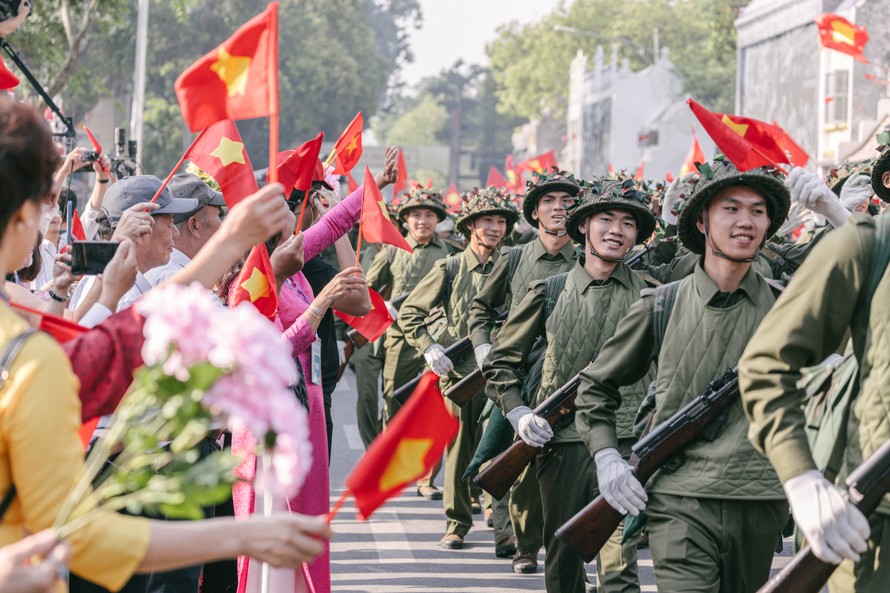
229	152
535	165
257	286
739	129
406	463
843	33
382	205
351	147
232	70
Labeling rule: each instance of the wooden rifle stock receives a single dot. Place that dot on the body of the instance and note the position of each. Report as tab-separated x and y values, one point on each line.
504	470
463	392
590	528
866	486
355	340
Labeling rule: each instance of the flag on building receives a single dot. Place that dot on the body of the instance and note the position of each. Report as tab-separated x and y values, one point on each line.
839	34
237	80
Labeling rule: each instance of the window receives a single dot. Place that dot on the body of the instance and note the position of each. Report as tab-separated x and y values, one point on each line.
837	96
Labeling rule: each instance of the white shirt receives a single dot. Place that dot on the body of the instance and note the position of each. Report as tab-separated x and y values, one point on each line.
178	261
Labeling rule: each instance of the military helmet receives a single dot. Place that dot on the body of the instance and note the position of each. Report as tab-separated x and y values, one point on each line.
881	165
544	183
483	202
611	194
420	197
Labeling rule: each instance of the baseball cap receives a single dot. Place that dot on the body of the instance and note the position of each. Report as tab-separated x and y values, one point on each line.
130	191
188	186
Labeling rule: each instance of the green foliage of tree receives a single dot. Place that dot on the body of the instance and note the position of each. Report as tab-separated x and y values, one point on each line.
419	126
531	62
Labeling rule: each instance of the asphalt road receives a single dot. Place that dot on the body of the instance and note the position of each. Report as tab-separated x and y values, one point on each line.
397	550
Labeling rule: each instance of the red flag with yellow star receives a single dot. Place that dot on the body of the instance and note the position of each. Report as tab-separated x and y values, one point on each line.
495	178
235	80
348	149
296	168
255	283
452	199
220	153
538	164
695	155
839	34
374	224
402	178
375	323
405	450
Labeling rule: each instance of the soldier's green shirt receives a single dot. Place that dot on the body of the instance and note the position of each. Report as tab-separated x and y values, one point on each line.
705	336
403	270
501	290
583	318
809	321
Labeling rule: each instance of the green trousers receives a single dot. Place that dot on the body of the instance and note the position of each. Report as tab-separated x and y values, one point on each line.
703	545
368	362
872	573
526	513
567	476
457	496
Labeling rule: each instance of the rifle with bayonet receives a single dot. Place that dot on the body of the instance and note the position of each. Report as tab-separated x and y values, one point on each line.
355	340
866	487
504	470
589	529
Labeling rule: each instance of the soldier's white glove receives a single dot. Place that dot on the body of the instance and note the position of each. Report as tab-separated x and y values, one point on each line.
671	194
834	528
437	360
481	352
812	192
617	483
531	428
856	189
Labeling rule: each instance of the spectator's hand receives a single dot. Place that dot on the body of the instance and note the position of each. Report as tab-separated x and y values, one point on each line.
257	218
62	276
390	171
618	485
73	161
437	360
9	26
481	352
287	259
812	192
119	275
135	222
833	527
284	540
34	564
342	284
102	167
323	200
856	190
531	428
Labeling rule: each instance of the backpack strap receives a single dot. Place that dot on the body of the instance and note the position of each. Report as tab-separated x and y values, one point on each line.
665	295
552	289
881	255
12	351
452	264
513	258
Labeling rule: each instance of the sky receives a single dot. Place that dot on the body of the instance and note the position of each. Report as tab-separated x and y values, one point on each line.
460	29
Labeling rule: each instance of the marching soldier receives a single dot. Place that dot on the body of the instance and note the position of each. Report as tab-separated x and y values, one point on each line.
575	313
546	205
403	270
845	286
486	218
714	515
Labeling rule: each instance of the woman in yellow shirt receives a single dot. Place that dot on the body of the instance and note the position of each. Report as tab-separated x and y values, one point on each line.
40	413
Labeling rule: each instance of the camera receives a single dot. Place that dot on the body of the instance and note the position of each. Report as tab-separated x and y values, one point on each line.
124	162
89	156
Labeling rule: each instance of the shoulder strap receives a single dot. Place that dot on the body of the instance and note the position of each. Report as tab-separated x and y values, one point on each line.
513	257
881	255
12	351
552	289
452	263
665	295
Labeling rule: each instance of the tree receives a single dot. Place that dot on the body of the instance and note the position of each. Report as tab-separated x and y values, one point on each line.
419	126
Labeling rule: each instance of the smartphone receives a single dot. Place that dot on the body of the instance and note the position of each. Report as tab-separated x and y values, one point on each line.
90	257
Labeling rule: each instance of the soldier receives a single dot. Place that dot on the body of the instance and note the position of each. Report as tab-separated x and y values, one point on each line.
845	286
575	313
403	270
547	201
715	514
486	218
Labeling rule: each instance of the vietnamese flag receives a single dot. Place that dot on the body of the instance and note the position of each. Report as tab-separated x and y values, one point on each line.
495	178
798	156
348	149
296	168
219	152
374	224
538	164
350	183
453	200
77	227
399	186
638	176
256	284
839	34
405	450
237	80
375	322
695	155
669	177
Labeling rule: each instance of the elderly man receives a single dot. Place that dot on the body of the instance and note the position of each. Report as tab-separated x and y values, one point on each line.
194	227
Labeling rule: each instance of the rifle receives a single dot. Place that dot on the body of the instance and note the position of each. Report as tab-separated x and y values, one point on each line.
866	486
637	258
456	352
504	470
355	340
590	528
462	392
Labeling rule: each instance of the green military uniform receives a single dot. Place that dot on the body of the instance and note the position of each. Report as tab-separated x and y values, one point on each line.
505	288
716	513
368	361
826	298
583	317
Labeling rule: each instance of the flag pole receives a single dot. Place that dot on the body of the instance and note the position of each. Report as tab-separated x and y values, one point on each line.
178	165
358	242
339	505
267	512
771	161
273	91
330	158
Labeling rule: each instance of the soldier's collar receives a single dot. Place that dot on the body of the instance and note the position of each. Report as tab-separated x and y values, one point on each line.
567	252
582	279
707	288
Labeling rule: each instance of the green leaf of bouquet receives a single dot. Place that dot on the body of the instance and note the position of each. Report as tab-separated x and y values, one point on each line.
203	375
